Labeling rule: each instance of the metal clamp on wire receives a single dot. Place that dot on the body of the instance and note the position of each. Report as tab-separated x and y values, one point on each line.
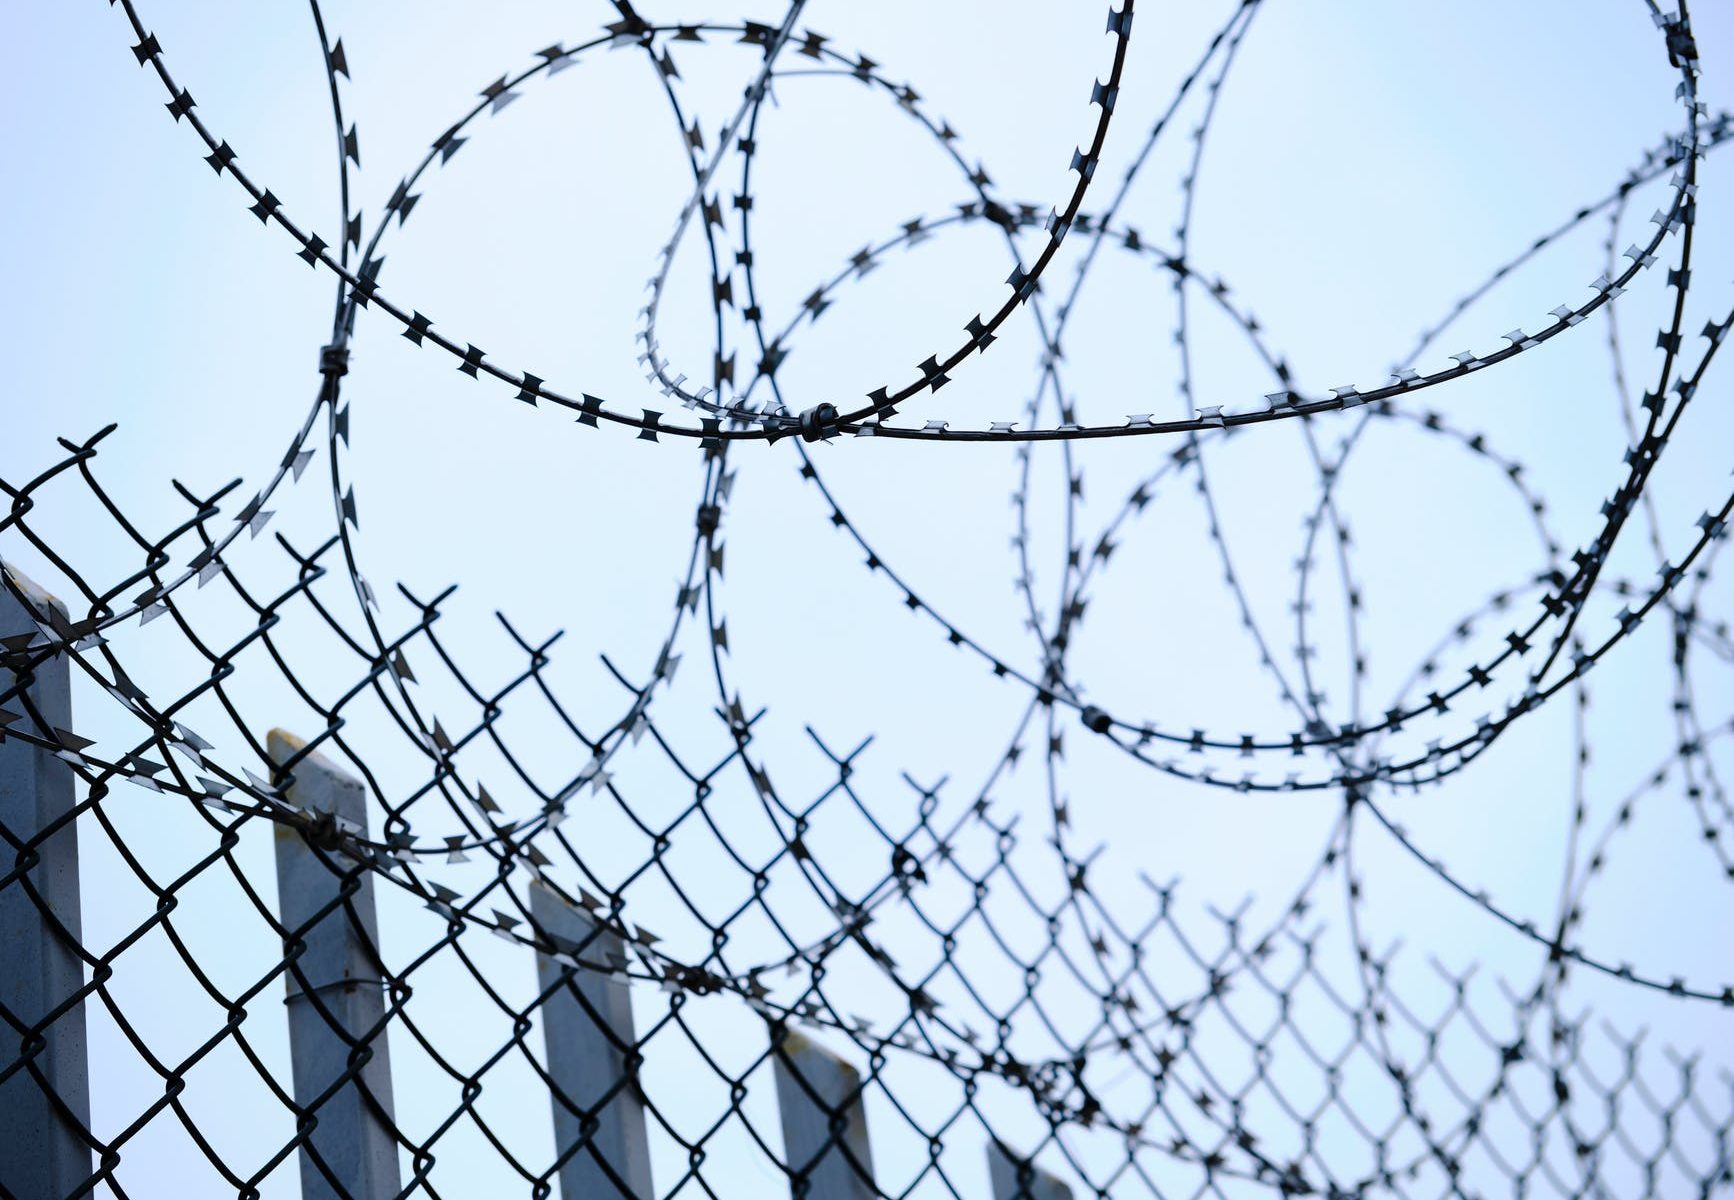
334	360
1095	720
818	422
1682	46
708	517
322	832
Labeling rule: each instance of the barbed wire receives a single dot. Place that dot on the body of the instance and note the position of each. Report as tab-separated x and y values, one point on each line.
983	991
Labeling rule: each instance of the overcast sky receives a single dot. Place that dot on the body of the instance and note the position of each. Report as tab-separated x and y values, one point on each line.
1367	165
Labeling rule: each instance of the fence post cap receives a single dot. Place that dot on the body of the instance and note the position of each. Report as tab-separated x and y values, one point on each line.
797	1045
35	593
282	745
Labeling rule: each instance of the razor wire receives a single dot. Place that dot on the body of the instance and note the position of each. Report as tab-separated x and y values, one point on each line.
966	961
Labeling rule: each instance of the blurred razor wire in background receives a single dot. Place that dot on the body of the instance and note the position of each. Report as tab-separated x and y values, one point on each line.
1003	600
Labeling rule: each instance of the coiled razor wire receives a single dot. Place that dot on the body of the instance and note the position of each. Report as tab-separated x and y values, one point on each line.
976	971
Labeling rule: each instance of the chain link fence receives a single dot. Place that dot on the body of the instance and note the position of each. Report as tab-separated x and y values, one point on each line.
302	897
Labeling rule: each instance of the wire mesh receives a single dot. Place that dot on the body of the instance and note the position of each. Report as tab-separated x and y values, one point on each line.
983	991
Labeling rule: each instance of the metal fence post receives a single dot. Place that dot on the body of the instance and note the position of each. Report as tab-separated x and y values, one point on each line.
1015	1178
336	999
824	1122
587	1027
45	1103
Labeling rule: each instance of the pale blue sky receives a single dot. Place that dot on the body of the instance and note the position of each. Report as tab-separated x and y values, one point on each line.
1369	163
